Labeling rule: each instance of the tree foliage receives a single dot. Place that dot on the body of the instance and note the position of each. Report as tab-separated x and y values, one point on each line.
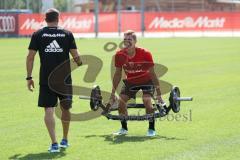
34	5
61	5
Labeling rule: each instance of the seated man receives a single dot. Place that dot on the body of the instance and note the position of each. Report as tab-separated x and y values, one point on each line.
138	65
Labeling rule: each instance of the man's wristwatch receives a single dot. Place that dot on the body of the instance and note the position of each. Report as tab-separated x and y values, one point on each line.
29	78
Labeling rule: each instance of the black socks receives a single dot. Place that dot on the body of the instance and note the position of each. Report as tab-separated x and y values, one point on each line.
124	124
151	124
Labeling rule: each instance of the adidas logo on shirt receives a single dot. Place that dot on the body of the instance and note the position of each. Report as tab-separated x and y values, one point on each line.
53	47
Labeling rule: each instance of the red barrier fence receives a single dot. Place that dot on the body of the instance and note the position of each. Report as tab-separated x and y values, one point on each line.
157	22
8	24
26	24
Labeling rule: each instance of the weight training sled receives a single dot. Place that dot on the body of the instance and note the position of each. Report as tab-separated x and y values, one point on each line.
161	110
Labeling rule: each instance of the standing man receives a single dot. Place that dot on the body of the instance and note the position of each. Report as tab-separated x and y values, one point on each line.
138	66
53	44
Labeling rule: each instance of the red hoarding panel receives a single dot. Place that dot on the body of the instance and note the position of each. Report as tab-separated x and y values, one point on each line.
29	23
131	21
197	21
8	24
108	22
77	23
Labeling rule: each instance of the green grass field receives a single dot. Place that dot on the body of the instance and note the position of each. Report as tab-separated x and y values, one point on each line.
206	68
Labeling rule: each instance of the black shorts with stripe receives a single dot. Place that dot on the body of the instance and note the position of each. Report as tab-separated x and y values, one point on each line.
131	89
49	98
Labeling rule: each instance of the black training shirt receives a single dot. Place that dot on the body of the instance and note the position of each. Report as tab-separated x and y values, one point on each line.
53	45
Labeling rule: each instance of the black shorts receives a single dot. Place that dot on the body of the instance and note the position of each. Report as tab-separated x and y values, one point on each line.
49	98
131	89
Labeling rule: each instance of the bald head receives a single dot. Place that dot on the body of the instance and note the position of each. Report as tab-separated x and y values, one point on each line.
52	15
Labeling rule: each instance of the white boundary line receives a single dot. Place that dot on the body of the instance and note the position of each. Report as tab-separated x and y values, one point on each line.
163	34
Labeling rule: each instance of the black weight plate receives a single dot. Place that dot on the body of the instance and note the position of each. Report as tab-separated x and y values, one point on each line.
96	98
174	104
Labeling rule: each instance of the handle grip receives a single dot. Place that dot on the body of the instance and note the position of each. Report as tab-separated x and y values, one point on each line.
183	98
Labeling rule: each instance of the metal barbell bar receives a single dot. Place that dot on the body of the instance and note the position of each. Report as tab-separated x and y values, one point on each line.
174	99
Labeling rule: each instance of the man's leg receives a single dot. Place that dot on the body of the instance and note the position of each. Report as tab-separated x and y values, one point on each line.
122	109
48	100
66	117
149	109
66	104
50	123
125	95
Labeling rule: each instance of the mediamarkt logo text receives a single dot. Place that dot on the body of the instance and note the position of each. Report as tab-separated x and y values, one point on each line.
68	23
187	22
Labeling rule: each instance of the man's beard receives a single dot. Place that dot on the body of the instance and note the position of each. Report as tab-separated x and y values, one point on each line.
128	45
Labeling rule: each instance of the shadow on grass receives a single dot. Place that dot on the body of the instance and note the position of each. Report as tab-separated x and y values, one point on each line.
126	138
38	156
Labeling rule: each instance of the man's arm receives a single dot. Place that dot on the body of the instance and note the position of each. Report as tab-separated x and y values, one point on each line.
156	83
29	67
116	79
76	57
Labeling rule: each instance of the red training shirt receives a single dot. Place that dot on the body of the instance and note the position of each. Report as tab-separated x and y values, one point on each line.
137	67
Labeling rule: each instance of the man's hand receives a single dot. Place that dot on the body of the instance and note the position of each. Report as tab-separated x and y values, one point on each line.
77	60
30	85
80	63
159	99
163	106
76	57
112	99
